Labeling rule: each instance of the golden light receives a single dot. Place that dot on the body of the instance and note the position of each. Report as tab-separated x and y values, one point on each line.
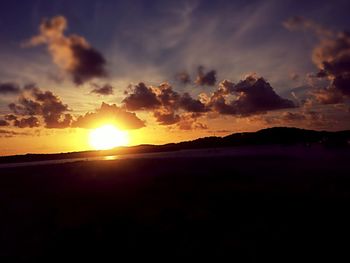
107	137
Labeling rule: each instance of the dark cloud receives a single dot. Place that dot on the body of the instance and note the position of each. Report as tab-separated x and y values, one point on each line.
141	98
9	88
167	96
332	57
187	103
250	96
166	113
35	102
29	122
109	114
205	79
183	121
183	77
217	101
162	96
104	90
256	95
90	63
172	99
71	53
26	106
342	82
163	101
10	117
3	123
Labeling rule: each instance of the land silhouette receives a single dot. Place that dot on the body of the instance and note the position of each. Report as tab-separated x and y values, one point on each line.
288	202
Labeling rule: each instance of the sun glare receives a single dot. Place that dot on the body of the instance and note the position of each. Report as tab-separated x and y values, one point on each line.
107	137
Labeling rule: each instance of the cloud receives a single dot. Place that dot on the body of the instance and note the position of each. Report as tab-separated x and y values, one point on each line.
166	116
171	99
301	23
109	114
332	57
308	118
29	122
184	121
71	53
256	95
217	101
35	102
304	117
3	123
188	121
252	95
141	98
293	116
9	134
163	102
205	79
9	88
328	96
166	112
104	90
10	117
294	76
167	96
162	96
187	103
34	105
183	77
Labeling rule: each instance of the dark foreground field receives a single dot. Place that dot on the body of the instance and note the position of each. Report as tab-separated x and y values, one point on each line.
239	208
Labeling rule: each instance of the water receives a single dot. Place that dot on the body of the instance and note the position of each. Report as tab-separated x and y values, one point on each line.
181	153
292	151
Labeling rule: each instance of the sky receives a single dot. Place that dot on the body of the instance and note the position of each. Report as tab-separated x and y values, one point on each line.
168	71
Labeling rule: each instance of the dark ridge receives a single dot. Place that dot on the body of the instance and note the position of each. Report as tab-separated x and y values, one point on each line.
271	136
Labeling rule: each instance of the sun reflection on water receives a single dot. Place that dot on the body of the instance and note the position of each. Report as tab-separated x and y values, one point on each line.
110	158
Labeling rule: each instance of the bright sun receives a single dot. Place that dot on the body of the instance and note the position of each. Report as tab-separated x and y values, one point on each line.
107	137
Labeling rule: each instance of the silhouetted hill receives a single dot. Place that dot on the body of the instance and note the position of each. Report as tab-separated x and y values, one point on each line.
271	136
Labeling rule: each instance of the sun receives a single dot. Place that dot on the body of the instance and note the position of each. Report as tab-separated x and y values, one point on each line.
107	137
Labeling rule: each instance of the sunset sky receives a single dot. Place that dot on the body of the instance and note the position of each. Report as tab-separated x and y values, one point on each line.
168	71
